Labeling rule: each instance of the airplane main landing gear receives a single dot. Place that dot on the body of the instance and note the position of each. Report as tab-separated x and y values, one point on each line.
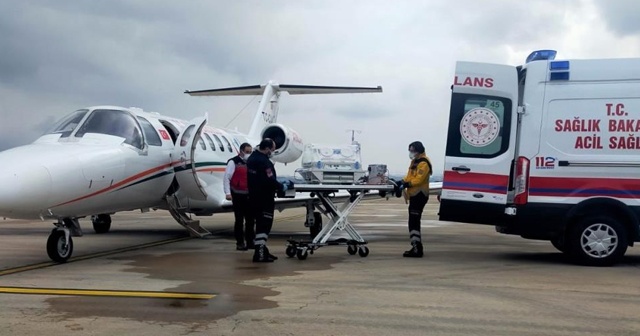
101	223
59	243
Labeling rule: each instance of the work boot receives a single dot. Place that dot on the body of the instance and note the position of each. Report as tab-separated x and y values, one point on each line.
261	254
415	251
241	247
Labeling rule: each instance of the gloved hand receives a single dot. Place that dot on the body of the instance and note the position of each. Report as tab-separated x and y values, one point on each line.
285	186
406	185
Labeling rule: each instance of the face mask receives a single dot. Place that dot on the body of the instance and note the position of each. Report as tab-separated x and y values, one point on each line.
412	155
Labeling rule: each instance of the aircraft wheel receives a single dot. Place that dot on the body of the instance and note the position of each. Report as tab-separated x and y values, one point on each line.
291	251
101	223
352	249
57	250
363	251
317	225
302	254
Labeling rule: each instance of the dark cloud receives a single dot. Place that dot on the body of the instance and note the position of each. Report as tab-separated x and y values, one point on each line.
621	16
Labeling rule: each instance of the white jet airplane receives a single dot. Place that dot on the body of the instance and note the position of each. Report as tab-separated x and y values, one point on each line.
105	159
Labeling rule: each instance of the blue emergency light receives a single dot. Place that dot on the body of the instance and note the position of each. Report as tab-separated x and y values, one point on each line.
541	55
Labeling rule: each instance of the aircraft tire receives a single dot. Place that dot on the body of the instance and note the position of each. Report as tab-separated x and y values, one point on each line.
317	225
55	247
101	223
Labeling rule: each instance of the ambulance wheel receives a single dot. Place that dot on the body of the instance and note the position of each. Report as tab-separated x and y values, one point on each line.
317	225
302	254
101	223
56	248
352	249
597	241
363	251
559	243
291	251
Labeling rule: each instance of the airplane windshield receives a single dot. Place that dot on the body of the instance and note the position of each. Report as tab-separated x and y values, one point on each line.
113	122
68	124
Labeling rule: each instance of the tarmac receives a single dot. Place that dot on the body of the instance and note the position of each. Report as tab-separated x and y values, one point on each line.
147	277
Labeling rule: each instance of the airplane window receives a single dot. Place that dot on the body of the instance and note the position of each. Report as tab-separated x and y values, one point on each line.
67	124
113	122
228	144
150	133
219	142
213	146
186	135
201	142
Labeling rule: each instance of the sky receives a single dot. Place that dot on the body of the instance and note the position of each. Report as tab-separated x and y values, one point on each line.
59	56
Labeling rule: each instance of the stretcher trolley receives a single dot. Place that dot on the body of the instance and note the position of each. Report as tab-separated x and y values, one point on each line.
338	215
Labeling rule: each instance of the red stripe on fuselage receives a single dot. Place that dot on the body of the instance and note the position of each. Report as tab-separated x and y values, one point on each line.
121	183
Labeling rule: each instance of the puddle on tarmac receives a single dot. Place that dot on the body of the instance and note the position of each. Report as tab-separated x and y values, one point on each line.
216	270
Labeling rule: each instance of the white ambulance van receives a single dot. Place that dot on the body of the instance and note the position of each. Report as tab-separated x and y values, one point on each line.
548	150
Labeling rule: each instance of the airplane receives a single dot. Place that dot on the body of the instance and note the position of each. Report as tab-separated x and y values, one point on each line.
101	160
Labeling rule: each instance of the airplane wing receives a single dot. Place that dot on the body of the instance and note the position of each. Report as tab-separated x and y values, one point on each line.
301	199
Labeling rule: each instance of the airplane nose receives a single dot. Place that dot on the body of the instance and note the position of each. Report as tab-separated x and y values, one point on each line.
24	190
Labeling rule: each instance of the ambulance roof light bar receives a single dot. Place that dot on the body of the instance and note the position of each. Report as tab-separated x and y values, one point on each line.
541	55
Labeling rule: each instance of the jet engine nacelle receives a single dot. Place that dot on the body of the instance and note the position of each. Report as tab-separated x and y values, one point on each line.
289	145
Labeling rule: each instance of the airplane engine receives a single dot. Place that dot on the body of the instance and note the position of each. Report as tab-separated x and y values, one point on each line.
289	145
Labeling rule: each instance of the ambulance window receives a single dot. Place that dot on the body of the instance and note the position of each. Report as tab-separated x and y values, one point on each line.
219	142
213	146
67	124
479	126
112	122
228	143
150	133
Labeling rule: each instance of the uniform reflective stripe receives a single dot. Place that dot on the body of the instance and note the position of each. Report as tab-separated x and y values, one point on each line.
414	233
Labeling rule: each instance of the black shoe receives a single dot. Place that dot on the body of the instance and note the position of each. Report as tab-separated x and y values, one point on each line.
261	254
415	251
271	256
241	247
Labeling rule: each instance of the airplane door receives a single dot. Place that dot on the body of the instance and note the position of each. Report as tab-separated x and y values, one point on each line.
190	185
480	143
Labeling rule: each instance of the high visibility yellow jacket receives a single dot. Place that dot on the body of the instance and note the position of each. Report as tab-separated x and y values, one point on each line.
418	176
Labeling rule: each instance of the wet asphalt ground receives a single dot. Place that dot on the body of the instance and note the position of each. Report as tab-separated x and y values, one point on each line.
472	281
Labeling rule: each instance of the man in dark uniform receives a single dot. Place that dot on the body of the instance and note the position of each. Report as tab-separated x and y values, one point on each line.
261	177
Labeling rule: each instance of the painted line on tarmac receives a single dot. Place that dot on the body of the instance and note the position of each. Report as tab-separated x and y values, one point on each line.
90	256
107	293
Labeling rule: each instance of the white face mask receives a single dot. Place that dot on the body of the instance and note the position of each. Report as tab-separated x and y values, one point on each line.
412	155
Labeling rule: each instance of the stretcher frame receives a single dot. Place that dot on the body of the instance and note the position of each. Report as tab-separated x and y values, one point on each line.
338	215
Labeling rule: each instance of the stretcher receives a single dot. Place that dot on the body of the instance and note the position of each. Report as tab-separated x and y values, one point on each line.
338	215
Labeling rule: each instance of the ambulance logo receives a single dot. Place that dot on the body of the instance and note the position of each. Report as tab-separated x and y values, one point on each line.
480	127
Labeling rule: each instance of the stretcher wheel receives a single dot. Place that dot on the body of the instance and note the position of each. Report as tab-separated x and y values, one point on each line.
291	251
302	254
363	251
352	249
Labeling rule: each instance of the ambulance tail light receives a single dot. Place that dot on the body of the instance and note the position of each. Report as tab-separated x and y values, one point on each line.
522	181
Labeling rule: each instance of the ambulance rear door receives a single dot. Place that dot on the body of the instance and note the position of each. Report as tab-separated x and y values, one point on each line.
481	143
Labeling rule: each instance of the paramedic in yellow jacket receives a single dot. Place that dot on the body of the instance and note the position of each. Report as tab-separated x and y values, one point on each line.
416	190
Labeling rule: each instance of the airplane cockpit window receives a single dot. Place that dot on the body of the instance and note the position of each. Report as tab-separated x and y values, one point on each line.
213	146
68	124
228	144
113	122
219	142
150	133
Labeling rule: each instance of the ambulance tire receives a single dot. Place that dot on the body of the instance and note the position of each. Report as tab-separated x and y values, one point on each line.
606	232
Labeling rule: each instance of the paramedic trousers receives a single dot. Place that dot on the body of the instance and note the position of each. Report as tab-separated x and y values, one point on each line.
243	215
416	206
263	212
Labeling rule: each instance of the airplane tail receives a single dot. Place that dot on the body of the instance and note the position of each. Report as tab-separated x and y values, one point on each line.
268	109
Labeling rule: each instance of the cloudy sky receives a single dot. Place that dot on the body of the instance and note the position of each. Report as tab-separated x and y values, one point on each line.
58	56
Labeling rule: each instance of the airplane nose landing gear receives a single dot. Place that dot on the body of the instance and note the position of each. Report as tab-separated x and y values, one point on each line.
59	243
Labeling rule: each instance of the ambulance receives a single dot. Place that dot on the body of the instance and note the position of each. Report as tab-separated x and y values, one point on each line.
549	150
